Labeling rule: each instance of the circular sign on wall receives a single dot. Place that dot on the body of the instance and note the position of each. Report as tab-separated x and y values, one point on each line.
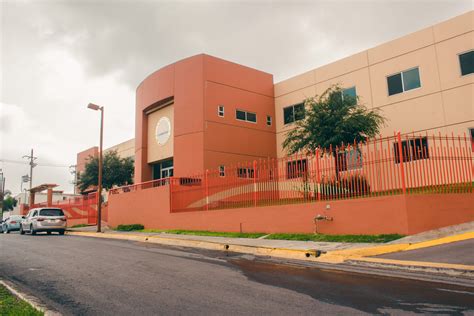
163	130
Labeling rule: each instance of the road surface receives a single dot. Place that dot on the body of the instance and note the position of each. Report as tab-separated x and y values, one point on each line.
90	276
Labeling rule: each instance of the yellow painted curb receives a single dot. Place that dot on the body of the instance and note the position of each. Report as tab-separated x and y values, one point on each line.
423	264
441	241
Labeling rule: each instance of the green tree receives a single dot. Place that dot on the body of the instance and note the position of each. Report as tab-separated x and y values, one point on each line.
115	171
9	203
330	120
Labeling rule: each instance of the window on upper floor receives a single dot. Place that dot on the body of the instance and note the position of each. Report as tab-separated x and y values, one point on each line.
269	120
403	81
246	116
293	113
349	93
220	110
466	61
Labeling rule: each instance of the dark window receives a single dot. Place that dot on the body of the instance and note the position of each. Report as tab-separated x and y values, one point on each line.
240	115
293	113
222	171
51	212
412	149
349	94
349	160
467	63
246	116
251	117
403	81
269	120
296	168
220	110
245	173
395	84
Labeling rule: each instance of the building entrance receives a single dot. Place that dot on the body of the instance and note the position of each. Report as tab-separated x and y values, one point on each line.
163	169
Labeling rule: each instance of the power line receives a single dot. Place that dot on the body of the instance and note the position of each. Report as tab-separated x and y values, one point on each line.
37	164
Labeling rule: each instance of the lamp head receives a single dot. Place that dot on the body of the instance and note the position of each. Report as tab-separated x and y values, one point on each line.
93	106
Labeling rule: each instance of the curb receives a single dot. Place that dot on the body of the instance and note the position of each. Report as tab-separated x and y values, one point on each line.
33	301
301	254
357	256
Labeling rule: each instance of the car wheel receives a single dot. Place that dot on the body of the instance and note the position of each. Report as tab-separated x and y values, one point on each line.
61	232
32	231
49	233
22	232
8	232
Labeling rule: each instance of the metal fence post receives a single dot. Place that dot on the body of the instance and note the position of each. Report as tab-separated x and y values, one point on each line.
255	183
206	180
400	159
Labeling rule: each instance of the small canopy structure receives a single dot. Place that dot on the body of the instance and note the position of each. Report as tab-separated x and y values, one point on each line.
46	186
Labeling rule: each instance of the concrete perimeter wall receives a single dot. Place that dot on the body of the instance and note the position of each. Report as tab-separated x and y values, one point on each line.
379	215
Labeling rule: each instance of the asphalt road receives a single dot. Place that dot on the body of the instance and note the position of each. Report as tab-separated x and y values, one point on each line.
460	252
88	276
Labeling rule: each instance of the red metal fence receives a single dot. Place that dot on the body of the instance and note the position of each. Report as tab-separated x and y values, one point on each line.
409	164
77	208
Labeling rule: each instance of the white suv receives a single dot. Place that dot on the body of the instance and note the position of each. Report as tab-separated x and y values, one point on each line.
44	219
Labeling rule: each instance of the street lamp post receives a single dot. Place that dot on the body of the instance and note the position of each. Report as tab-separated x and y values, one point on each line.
99	182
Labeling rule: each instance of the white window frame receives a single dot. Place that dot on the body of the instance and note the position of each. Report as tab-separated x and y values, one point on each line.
220	111
403	83
246	113
459	62
293	106
343	89
222	171
269	120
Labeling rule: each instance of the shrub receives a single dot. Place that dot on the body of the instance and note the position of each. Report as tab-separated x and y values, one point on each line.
130	227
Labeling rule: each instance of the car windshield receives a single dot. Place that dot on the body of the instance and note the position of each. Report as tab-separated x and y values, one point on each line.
51	212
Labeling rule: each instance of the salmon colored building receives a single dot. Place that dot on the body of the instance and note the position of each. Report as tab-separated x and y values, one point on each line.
204	113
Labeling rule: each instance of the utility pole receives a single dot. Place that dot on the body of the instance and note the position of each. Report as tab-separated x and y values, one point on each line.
2	192
73	171
32	165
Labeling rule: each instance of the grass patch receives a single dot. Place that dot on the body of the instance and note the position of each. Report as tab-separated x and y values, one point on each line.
131	227
205	233
337	238
10	305
79	226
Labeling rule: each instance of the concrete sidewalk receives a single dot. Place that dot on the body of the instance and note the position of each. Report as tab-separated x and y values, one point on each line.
361	254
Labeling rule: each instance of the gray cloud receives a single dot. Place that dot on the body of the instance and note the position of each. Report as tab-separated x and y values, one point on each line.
56	56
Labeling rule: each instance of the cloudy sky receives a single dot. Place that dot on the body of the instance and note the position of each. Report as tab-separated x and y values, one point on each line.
57	56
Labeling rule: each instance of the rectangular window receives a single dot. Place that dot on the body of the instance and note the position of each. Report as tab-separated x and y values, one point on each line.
220	110
269	120
221	171
296	168
403	81
293	113
245	173
466	60
412	149
471	132
190	181
349	160
246	116
349	93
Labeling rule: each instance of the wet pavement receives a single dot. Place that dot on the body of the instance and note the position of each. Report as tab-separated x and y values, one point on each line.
91	276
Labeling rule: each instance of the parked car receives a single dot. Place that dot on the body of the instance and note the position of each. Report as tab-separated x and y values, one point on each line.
11	223
44	219
1	226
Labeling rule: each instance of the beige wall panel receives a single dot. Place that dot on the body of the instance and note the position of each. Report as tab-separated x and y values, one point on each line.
295	83
156	151
448	60
459	104
360	79
424	58
414	115
125	149
341	67
287	100
461	24
459	129
401	46
280	137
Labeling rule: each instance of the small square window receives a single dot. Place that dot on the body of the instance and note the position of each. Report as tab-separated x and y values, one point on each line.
395	84
411	79
467	63
220	110
240	115
349	93
269	120
251	117
221	171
